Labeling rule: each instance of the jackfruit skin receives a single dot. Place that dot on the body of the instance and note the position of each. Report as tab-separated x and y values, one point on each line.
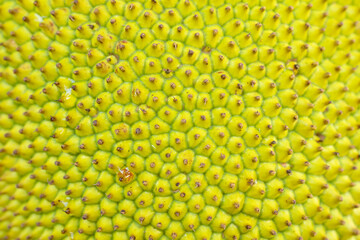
190	119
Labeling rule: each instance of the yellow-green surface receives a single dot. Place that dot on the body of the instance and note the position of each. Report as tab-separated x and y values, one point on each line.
190	119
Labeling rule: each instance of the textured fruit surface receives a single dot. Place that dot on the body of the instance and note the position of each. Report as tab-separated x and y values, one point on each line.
179	119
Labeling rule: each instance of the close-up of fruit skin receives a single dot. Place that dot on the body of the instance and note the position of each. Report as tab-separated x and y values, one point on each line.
179	119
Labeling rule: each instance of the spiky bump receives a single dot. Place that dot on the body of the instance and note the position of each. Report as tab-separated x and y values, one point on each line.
184	119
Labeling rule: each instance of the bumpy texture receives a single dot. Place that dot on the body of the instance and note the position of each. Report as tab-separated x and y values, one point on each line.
190	119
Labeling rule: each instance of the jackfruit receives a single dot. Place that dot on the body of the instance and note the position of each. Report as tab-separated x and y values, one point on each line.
179	119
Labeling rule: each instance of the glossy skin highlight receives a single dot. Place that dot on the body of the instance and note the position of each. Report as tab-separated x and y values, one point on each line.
191	119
